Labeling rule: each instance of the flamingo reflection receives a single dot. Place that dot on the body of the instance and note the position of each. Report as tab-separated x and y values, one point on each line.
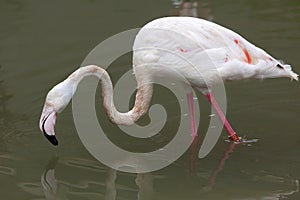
192	8
146	184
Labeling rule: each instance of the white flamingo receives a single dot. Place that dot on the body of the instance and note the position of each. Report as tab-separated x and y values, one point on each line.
234	57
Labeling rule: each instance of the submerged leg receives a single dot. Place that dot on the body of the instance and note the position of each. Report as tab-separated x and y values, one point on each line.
192	117
232	135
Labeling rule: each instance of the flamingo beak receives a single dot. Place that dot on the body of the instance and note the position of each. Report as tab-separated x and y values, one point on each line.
47	123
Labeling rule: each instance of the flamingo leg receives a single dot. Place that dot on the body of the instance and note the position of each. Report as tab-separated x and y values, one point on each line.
231	133
192	117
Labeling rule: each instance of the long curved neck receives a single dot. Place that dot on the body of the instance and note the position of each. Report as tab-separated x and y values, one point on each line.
142	100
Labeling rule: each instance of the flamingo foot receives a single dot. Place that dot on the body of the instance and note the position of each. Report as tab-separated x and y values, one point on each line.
235	138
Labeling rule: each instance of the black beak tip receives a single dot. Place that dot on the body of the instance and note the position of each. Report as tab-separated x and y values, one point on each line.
52	139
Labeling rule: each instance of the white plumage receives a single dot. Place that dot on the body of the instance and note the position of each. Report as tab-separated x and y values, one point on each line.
204	44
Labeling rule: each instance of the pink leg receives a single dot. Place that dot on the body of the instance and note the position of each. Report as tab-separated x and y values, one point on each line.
193	156
192	114
232	135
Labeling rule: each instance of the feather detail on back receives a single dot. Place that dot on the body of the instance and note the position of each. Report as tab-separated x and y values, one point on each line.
188	44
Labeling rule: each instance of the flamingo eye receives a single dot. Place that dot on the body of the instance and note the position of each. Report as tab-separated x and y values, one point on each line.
279	66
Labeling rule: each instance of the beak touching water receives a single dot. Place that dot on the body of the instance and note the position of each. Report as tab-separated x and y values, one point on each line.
47	123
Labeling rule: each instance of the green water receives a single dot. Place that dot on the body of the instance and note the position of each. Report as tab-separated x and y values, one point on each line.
41	42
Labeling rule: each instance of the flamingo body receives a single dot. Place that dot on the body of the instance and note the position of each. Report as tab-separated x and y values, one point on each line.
201	51
206	46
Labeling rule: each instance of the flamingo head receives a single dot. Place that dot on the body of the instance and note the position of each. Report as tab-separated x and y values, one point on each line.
56	101
47	123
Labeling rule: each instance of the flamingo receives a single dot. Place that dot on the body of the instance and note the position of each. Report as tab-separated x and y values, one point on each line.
233	56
